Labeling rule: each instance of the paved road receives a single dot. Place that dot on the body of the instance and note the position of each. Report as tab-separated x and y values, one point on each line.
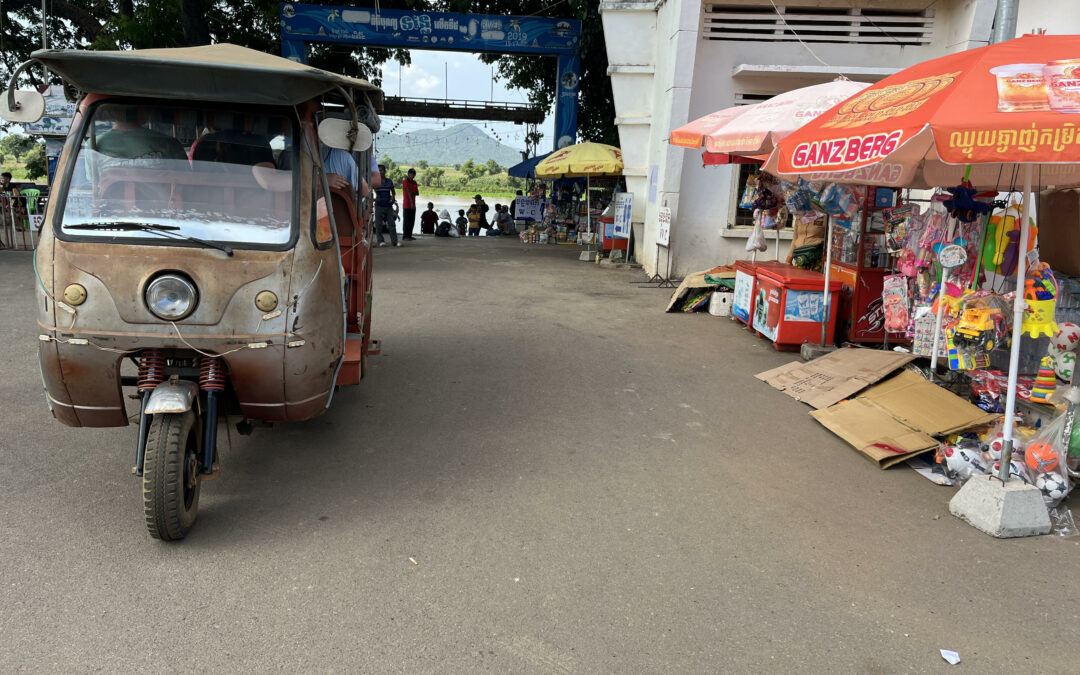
587	485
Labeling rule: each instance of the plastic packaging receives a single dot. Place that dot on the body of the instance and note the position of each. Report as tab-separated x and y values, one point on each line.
1045	462
895	301
756	240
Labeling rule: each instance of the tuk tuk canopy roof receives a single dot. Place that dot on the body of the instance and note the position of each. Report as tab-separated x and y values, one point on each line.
221	72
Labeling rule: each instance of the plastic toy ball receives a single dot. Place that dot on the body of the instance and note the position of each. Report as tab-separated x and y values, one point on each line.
963	462
1067	338
1052	485
1041	457
1016	471
995	446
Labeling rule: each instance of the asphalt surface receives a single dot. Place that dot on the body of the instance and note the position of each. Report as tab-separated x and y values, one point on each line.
586	485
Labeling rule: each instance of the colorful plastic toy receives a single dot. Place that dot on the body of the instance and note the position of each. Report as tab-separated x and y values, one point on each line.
1045	382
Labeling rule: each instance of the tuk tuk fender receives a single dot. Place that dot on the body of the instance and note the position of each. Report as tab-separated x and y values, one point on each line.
172	396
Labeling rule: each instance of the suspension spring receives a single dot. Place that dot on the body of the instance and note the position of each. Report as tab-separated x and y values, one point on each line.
211	374
151	369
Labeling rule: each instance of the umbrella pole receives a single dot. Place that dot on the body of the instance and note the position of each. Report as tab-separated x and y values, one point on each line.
1018	320
777	238
828	270
588	213
940	309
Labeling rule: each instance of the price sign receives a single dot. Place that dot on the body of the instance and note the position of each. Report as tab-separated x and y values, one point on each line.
624	202
663	229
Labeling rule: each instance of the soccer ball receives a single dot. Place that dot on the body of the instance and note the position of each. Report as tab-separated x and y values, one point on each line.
963	462
1053	485
1041	457
1016	470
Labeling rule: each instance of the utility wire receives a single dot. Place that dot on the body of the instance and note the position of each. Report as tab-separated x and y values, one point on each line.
799	38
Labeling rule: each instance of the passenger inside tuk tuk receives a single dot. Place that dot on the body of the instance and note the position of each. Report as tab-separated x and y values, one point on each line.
133	161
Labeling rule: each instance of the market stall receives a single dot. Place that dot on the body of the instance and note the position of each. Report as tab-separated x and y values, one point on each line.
981	125
573	213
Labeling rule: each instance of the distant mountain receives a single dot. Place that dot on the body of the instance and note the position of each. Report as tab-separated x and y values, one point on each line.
445	147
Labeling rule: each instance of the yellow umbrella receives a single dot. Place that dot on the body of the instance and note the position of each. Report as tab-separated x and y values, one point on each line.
583	160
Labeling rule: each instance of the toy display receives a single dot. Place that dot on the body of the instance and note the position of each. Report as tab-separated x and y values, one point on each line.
1040	293
1045	382
1063	348
894	299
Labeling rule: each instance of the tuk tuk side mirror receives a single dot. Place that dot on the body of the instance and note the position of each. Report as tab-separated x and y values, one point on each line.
22	106
335	133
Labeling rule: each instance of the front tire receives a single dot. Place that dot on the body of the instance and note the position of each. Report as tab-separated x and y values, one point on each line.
171	478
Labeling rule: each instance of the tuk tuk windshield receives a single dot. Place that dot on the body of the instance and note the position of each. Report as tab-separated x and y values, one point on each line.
162	172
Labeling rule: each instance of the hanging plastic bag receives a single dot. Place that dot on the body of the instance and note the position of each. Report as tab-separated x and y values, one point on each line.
756	240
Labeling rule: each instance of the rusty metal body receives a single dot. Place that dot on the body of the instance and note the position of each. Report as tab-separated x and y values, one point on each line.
194	230
282	364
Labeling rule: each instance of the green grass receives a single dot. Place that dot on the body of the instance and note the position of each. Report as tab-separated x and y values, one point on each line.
500	186
18	171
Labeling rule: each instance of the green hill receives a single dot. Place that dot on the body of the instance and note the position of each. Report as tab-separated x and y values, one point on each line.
445	147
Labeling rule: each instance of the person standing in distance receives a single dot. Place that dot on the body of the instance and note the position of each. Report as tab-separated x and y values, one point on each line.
385	198
409	192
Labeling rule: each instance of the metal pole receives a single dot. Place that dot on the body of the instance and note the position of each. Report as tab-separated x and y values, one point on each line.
828	270
1018	320
1005	22
941	308
44	39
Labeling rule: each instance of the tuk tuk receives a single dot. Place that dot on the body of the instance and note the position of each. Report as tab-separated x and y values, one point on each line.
203	251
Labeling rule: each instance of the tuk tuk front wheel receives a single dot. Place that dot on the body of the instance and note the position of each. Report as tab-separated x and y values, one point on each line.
171	477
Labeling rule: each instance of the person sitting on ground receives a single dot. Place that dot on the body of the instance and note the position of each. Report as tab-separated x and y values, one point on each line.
429	219
444	227
504	220
474	221
462	222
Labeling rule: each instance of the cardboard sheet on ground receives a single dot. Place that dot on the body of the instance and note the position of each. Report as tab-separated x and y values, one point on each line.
697	280
899	418
835	376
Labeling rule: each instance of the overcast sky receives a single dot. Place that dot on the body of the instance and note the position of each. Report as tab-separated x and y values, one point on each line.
466	78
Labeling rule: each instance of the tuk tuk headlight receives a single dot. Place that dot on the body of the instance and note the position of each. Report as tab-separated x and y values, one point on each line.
171	297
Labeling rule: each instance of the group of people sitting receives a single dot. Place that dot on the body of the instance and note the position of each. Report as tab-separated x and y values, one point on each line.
440	224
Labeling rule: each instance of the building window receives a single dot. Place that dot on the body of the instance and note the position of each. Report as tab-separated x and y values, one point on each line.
789	23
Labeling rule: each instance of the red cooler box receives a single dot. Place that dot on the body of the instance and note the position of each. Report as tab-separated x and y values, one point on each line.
789	305
742	305
610	243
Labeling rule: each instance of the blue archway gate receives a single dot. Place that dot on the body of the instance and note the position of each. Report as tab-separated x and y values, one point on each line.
366	26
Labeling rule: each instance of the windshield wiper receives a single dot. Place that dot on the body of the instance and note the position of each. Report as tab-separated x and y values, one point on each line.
165	230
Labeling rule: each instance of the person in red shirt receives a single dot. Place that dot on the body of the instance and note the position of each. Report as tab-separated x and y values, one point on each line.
429	219
409	190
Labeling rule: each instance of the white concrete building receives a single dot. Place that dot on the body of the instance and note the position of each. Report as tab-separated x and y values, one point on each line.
673	61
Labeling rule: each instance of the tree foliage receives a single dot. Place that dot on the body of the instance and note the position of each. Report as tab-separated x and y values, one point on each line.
16	145
493	167
36	164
